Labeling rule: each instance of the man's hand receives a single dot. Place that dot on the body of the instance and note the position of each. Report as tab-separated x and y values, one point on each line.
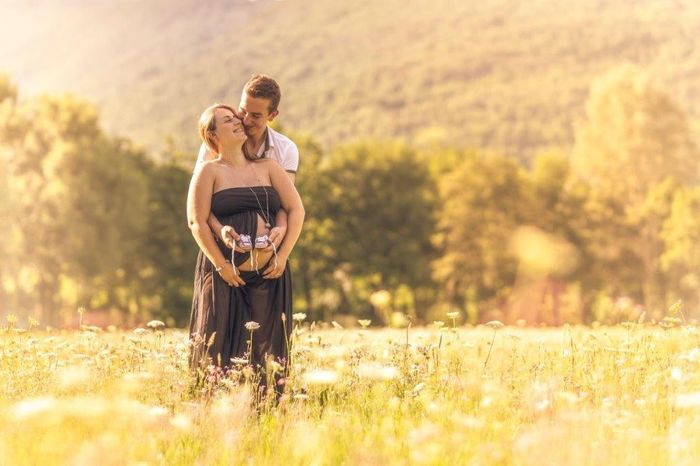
275	237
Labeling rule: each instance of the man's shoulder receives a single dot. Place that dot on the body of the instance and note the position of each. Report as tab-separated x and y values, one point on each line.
282	139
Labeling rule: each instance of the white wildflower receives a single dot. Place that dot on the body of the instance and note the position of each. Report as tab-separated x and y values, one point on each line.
252	326
377	372
320	377
155	324
32	407
495	324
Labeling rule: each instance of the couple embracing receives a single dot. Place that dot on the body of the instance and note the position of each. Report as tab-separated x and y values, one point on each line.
246	216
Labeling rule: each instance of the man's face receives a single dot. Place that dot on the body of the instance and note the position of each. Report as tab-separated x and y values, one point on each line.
255	113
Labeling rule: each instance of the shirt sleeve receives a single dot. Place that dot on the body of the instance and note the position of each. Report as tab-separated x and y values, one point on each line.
291	158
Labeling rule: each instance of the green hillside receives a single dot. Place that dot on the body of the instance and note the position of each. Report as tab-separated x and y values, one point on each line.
500	74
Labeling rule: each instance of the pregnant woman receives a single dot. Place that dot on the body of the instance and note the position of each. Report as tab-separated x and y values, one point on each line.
235	288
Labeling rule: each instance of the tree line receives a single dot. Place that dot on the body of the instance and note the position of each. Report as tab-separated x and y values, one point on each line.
606	231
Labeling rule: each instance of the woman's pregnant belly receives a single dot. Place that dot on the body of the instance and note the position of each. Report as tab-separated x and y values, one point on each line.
257	257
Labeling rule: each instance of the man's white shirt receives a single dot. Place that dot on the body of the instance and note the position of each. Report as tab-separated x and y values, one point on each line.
277	147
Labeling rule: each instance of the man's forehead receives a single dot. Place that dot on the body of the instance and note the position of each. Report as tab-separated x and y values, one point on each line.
254	104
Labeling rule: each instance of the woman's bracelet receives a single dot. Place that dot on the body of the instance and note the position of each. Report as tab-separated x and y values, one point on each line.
219	269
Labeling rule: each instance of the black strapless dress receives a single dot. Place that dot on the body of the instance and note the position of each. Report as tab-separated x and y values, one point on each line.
222	310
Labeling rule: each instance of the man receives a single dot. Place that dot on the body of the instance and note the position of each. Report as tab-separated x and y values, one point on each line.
259	106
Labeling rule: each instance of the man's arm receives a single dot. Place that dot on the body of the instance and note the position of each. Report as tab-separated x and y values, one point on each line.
291	202
277	233
290	163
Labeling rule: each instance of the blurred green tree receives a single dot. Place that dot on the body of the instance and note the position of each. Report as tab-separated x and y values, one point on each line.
380	197
681	237
313	257
481	206
634	137
79	202
634	149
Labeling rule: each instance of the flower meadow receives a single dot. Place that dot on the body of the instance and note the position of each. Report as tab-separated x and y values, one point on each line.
441	394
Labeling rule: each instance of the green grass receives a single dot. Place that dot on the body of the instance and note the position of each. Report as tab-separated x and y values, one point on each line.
623	395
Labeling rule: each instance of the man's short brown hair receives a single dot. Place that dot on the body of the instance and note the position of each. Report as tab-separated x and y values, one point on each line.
263	86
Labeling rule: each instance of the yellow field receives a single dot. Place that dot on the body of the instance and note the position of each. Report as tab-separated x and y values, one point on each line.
626	395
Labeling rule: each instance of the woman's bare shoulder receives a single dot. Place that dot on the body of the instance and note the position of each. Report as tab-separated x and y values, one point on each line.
206	169
211	165
268	164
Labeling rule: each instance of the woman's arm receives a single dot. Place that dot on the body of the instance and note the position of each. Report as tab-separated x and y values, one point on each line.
229	235
198	210
291	203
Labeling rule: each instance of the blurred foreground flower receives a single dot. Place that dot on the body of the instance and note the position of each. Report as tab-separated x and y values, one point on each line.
377	372
298	316
495	325
155	324
181	421
252	326
73	376
688	400
32	407
320	377
418	388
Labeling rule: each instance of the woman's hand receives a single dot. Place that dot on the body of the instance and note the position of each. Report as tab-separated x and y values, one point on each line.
230	275
276	267
275	237
229	237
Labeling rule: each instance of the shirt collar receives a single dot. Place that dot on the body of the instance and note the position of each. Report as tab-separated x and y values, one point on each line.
269	143
270	138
